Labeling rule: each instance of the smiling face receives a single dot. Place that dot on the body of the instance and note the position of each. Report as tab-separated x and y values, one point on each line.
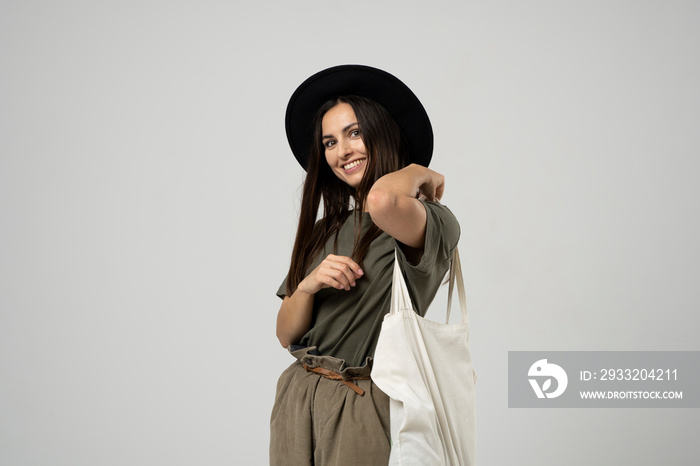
344	149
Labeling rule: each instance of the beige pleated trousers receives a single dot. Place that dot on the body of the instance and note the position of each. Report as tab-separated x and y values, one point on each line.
322	422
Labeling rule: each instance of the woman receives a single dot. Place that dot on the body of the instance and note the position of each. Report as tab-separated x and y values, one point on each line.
365	141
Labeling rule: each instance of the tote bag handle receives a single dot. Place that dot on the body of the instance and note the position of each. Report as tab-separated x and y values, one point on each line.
456	276
400	299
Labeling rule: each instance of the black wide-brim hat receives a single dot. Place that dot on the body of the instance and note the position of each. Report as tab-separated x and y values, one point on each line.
380	86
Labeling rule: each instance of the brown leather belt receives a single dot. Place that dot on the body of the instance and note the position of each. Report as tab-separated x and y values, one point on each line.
335	376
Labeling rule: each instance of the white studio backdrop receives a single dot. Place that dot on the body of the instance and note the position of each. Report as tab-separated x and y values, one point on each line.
148	202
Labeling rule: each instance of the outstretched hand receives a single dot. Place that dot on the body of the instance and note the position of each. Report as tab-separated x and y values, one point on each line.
338	272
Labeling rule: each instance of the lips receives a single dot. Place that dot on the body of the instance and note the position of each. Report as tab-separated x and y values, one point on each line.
354	165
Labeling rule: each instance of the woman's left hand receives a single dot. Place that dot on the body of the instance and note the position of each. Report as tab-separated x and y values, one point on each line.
433	186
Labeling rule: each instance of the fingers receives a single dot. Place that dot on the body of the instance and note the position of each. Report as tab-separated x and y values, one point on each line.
347	261
439	192
343	270
340	272
435	188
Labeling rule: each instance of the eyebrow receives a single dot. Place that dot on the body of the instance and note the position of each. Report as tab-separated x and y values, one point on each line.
329	136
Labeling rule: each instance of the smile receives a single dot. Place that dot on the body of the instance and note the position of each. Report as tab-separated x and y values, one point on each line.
354	165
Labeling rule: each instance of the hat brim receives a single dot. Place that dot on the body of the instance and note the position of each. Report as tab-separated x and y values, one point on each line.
373	83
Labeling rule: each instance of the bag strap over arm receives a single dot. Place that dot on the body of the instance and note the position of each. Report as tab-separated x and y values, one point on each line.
400	299
456	276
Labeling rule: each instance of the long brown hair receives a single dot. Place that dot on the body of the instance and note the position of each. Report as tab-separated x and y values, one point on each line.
386	153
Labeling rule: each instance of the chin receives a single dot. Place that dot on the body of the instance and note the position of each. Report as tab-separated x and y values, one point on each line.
354	181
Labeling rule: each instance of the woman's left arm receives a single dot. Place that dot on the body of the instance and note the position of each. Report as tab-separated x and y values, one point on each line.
393	202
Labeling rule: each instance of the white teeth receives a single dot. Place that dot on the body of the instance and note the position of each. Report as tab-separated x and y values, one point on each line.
352	164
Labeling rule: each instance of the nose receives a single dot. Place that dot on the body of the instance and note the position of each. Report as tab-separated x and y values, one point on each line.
344	148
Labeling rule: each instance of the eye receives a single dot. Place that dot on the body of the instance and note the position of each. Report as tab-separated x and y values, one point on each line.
355	133
329	143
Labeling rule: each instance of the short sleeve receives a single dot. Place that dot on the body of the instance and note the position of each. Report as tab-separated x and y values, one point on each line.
442	233
282	290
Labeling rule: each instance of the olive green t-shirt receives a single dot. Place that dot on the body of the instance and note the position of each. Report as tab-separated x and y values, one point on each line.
346	324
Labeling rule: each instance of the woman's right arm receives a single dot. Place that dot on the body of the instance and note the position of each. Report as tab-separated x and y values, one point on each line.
294	317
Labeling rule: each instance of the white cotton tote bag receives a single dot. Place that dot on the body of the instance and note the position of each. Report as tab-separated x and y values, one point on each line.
426	369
